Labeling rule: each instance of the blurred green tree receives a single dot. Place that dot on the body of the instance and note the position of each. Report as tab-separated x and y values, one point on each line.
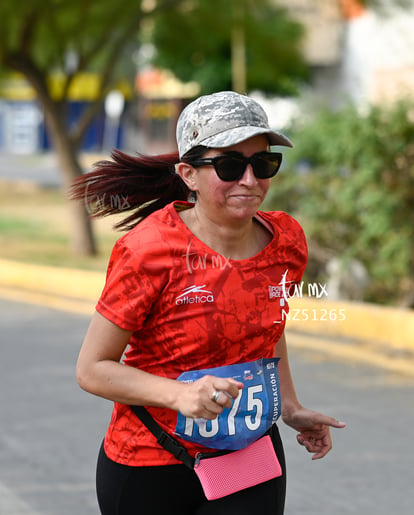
350	179
72	36
243	46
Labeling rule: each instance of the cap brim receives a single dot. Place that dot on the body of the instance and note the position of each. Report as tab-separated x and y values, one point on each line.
237	135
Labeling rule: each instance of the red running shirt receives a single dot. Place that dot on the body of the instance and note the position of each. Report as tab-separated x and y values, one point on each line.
191	308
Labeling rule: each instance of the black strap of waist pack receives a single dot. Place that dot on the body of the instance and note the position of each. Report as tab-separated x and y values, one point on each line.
166	441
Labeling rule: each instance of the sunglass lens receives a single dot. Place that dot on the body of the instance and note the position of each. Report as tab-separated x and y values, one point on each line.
230	168
266	166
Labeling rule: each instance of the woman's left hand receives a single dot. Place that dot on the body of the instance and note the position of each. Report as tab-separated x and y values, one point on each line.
314	430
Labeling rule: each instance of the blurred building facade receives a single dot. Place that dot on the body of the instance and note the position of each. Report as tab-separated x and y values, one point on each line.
22	125
357	54
161	97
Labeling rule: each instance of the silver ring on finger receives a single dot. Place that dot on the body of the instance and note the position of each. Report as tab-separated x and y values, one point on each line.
215	396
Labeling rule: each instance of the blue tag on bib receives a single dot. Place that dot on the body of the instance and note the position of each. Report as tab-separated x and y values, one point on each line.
256	408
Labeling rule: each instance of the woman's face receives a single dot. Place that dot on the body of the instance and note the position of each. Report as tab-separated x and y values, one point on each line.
238	199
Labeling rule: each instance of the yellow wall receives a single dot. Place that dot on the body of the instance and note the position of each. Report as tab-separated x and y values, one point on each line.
85	87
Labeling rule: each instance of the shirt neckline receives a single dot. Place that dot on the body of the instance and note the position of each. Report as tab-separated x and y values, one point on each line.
183	205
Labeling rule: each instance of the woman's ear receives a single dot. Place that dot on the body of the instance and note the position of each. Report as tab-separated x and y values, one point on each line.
187	174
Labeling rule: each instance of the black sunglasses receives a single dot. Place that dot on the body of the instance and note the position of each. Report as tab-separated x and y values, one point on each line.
232	165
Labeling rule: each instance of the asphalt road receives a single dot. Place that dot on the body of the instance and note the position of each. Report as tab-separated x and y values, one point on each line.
50	430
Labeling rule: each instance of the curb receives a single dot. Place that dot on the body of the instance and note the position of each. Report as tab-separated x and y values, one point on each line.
386	326
66	289
68	283
377	335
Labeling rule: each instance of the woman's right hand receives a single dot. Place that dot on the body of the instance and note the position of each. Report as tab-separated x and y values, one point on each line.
207	397
100	372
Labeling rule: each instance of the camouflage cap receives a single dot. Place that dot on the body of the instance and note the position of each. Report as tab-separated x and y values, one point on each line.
223	119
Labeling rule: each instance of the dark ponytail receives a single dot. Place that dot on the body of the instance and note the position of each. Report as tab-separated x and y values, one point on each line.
142	184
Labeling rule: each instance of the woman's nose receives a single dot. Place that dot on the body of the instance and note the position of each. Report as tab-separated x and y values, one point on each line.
248	177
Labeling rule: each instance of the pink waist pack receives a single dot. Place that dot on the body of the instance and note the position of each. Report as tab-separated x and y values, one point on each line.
229	473
221	474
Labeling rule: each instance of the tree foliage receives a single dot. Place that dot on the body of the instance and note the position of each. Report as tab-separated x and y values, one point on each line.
196	41
38	37
350	178
69	36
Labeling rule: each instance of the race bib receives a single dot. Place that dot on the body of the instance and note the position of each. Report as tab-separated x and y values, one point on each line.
256	408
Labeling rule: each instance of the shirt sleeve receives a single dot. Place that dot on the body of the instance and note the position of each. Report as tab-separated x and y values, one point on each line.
296	249
292	247
131	287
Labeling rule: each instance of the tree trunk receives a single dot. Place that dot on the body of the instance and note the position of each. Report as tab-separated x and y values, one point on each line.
82	237
238	50
67	151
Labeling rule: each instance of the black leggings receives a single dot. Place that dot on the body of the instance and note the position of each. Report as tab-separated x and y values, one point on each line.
176	490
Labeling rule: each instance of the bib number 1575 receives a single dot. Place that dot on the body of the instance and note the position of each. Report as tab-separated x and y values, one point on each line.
226	422
251	414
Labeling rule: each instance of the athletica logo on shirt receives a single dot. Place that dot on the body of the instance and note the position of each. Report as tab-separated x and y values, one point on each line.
195	295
